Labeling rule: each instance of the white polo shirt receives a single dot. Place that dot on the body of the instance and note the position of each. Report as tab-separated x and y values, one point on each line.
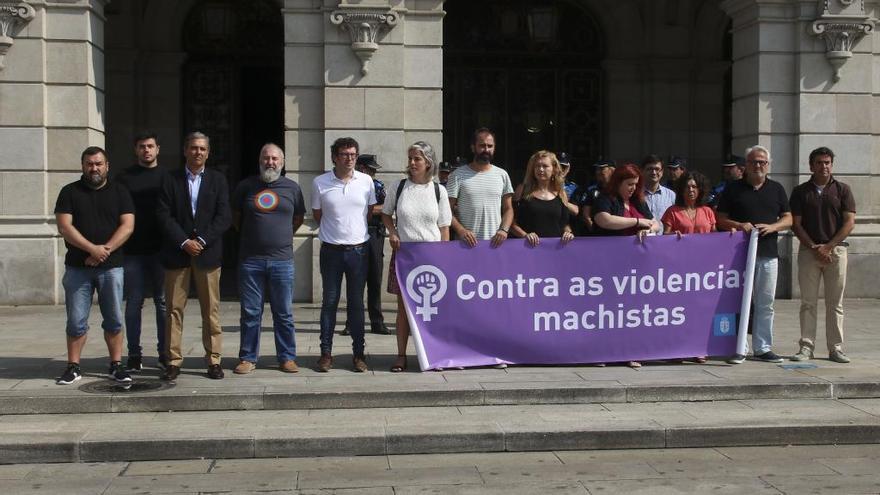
344	207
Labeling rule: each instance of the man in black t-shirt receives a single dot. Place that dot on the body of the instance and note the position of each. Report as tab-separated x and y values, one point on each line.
95	217
142	267
756	202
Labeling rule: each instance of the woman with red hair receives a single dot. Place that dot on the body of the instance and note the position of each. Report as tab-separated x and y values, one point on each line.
621	209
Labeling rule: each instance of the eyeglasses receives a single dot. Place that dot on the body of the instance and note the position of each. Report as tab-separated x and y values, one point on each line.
760	163
347	156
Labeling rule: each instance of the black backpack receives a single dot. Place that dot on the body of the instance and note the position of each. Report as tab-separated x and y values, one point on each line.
400	190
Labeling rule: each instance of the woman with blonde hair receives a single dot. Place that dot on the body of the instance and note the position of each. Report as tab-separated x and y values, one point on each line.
542	210
416	210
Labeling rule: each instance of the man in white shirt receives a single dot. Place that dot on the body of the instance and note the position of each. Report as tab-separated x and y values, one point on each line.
341	201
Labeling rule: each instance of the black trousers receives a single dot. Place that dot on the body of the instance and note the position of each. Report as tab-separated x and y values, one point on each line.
375	266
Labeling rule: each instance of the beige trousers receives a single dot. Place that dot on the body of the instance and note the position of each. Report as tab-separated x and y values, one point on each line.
208	290
810	273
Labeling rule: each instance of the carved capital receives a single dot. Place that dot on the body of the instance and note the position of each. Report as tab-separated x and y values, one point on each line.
841	24
363	26
13	17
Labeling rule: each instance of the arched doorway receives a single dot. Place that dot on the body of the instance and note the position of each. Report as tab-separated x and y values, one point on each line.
529	70
233	80
233	91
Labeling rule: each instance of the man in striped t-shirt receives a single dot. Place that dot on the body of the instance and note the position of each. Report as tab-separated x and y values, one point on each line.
481	195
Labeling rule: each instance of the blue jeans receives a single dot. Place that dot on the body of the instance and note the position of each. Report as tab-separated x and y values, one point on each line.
763	295
138	270
79	284
255	277
336	262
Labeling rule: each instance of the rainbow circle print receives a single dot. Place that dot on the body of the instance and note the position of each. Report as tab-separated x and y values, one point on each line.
266	200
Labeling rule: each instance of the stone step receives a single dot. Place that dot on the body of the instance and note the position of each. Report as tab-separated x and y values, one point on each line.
449	429
149	394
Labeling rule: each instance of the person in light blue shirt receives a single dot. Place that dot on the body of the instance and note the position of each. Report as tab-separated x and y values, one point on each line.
657	196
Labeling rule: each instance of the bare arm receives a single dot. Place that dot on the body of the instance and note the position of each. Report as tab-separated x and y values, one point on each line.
506	220
297	222
316	214
784	222
73	237
458	228
393	237
122	233
725	223
444	233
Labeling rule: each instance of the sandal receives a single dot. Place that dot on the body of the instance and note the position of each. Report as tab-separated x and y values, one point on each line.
400	365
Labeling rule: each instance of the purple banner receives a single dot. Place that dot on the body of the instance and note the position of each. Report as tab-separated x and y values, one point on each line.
594	300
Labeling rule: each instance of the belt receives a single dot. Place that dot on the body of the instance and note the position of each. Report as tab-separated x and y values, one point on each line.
342	247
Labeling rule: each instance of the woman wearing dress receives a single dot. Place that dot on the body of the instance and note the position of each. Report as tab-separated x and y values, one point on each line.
621	209
542	210
419	213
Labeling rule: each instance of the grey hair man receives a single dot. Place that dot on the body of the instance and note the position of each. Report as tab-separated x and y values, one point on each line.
267	210
758	203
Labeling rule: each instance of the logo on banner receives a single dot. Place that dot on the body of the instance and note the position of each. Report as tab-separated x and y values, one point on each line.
426	285
724	325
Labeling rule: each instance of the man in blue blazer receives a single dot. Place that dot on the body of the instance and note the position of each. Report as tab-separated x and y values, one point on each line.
193	212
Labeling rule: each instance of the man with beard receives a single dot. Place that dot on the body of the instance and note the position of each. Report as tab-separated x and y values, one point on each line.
267	210
95	217
480	195
193	212
142	267
756	202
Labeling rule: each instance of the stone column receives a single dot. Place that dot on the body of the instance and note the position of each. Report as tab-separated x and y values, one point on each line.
789	96
388	102
51	108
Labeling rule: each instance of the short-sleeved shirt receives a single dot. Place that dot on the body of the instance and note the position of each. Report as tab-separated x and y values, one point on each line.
144	185
547	218
676	219
96	215
344	207
479	196
419	213
821	211
614	206
660	200
743	203
267	212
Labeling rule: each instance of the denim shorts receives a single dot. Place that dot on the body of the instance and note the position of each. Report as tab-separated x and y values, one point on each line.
79	285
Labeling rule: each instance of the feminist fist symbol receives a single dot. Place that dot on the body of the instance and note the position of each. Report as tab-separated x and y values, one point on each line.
426	285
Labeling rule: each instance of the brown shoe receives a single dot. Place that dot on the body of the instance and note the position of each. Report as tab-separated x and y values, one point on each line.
171	373
325	363
244	367
215	372
289	367
358	365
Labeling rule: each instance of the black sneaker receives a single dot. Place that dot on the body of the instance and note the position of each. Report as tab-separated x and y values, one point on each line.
135	363
71	374
736	359
769	357
118	373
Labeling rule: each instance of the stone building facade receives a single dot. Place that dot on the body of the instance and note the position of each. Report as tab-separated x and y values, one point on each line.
619	79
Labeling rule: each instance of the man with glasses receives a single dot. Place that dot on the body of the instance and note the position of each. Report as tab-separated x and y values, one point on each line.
341	201
756	202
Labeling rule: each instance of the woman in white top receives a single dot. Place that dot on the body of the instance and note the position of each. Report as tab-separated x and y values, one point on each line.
421	214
